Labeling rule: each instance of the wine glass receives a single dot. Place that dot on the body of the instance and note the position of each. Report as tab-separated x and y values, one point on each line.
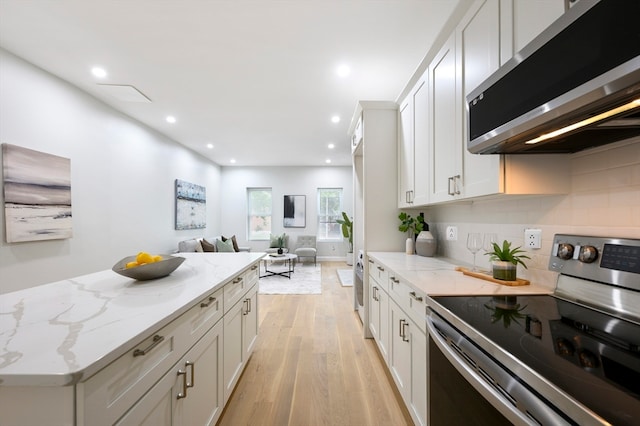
474	244
488	241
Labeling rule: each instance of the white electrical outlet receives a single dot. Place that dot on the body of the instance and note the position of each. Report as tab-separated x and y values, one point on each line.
533	238
452	233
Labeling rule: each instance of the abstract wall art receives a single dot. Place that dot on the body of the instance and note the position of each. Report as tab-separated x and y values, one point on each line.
37	195
295	215
191	205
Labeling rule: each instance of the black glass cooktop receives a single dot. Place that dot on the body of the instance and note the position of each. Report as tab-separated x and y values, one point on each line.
592	356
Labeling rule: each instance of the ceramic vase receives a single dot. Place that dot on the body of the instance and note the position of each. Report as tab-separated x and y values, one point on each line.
503	270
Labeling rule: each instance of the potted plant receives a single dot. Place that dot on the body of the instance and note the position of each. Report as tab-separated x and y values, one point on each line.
281	244
412	227
347	232
504	260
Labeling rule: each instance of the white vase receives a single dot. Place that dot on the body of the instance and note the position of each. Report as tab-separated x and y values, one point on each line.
408	246
426	245
349	258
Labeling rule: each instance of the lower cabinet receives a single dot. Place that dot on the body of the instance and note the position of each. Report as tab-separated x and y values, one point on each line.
190	393
379	316
240	333
397	323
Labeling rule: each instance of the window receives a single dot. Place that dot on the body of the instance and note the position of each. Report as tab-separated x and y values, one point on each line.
259	213
329	210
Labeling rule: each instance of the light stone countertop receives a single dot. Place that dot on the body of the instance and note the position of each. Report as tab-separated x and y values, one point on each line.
438	277
61	333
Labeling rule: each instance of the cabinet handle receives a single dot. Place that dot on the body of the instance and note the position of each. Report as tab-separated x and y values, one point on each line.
375	290
250	307
404	333
456	186
208	302
183	394
413	294
237	280
394	280
449	182
247	303
254	267
400	329
191	365
156	341
380	268
370	261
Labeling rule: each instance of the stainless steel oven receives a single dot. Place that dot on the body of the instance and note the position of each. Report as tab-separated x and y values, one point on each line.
568	358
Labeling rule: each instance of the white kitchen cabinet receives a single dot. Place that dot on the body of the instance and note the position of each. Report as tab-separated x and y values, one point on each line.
470	55
375	187
378	311
240	333
413	146
190	393
518	28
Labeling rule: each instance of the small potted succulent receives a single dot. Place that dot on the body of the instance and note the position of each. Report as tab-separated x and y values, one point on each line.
281	244
505	259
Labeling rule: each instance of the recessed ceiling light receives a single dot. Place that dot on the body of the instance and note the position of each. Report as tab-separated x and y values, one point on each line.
343	70
232	161
210	145
328	161
335	119
331	146
99	72
171	119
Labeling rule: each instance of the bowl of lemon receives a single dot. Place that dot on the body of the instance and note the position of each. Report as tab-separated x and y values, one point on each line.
145	266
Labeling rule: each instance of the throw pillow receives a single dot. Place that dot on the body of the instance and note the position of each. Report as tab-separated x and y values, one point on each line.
224	246
233	241
207	246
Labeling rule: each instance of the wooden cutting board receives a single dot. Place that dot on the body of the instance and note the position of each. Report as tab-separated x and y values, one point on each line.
488	277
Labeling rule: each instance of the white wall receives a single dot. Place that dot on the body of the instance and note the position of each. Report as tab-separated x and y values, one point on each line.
604	201
283	181
122	178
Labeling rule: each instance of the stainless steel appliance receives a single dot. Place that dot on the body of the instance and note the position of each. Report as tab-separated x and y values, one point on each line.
568	358
575	86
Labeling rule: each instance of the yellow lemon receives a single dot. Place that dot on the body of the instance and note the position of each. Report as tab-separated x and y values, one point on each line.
144	257
131	265
157	258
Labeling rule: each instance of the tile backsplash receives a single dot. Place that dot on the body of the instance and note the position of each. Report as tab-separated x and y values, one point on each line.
604	201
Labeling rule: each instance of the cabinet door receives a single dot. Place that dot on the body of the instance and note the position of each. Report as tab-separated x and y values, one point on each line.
418	342
478	51
383	326
445	148
421	155
405	154
233	347
158	406
203	364
399	350
250	323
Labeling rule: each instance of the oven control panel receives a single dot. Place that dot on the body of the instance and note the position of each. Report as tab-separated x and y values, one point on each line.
613	261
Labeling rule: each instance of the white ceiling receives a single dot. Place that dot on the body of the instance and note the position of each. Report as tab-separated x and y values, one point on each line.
257	79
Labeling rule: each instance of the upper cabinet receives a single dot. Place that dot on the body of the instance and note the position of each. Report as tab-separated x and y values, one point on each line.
413	146
434	163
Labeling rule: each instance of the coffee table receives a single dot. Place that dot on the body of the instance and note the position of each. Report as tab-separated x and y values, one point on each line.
287	259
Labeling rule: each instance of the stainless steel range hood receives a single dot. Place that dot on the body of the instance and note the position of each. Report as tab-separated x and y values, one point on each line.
575	86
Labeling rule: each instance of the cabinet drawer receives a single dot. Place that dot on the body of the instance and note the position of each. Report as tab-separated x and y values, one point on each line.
412	302
204	315
108	394
379	273
238	286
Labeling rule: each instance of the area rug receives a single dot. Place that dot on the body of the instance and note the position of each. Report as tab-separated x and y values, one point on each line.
346	277
306	279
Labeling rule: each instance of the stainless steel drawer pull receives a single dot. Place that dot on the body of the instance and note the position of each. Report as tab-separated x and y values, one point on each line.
191	365
418	298
208	302
156	341
237	280
254	267
370	261
380	268
183	394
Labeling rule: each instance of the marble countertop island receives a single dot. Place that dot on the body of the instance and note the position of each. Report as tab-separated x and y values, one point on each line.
61	333
438	277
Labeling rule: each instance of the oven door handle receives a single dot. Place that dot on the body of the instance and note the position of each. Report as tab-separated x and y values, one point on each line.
482	384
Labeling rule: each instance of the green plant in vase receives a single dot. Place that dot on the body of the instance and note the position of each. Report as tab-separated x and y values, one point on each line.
505	260
413	226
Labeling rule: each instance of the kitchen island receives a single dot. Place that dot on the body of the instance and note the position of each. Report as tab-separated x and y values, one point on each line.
86	350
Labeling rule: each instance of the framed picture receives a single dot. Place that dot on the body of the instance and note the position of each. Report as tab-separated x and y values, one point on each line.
37	195
295	215
191	205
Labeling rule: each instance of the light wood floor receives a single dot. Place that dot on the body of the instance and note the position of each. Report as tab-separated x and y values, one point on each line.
312	366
